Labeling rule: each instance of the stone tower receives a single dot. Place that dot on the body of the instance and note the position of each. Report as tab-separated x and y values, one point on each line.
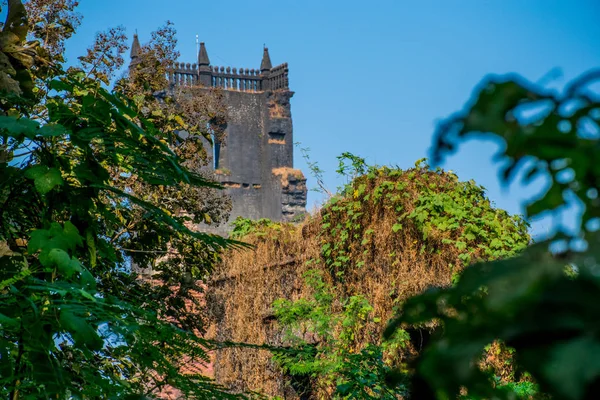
256	164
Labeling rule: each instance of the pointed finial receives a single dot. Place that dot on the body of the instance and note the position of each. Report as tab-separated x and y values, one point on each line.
265	65
203	56
135	46
135	52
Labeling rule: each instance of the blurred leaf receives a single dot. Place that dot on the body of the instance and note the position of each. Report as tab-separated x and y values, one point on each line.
18	126
50	130
529	302
82	332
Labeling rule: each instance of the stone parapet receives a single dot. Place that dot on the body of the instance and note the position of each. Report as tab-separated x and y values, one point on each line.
228	78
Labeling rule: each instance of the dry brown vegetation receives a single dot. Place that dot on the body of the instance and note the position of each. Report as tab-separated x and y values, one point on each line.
276	141
277	111
285	173
385	265
240	301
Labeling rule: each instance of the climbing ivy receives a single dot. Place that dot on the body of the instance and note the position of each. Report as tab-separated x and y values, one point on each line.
321	332
246	226
433	202
333	334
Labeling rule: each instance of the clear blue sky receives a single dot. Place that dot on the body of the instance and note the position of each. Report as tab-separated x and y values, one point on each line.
373	77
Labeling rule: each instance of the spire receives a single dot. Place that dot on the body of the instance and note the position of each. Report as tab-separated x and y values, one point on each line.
135	47
203	56
266	65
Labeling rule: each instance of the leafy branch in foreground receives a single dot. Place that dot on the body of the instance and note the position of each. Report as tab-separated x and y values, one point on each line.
77	303
74	321
542	303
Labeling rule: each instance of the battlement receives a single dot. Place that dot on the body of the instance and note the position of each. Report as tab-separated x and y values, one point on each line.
227	78
202	73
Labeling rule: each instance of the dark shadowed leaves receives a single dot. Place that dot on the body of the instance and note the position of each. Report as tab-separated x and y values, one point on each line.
543	304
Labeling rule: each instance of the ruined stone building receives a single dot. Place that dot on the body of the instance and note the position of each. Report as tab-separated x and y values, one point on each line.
256	163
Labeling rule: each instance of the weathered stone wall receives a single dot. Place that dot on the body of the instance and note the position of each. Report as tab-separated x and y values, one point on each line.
256	163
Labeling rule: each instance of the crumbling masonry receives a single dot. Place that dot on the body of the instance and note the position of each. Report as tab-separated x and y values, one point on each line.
256	163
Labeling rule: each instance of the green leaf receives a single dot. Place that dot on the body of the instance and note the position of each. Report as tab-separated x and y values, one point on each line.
87	279
345	388
460	245
50	130
56	237
45	179
496	244
574	366
59	258
80	330
8	322
63	262
71	234
18	126
60	85
38	239
36	171
87	295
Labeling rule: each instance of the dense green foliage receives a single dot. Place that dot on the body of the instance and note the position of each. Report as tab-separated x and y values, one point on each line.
75	322
547	312
356	371
244	226
442	205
